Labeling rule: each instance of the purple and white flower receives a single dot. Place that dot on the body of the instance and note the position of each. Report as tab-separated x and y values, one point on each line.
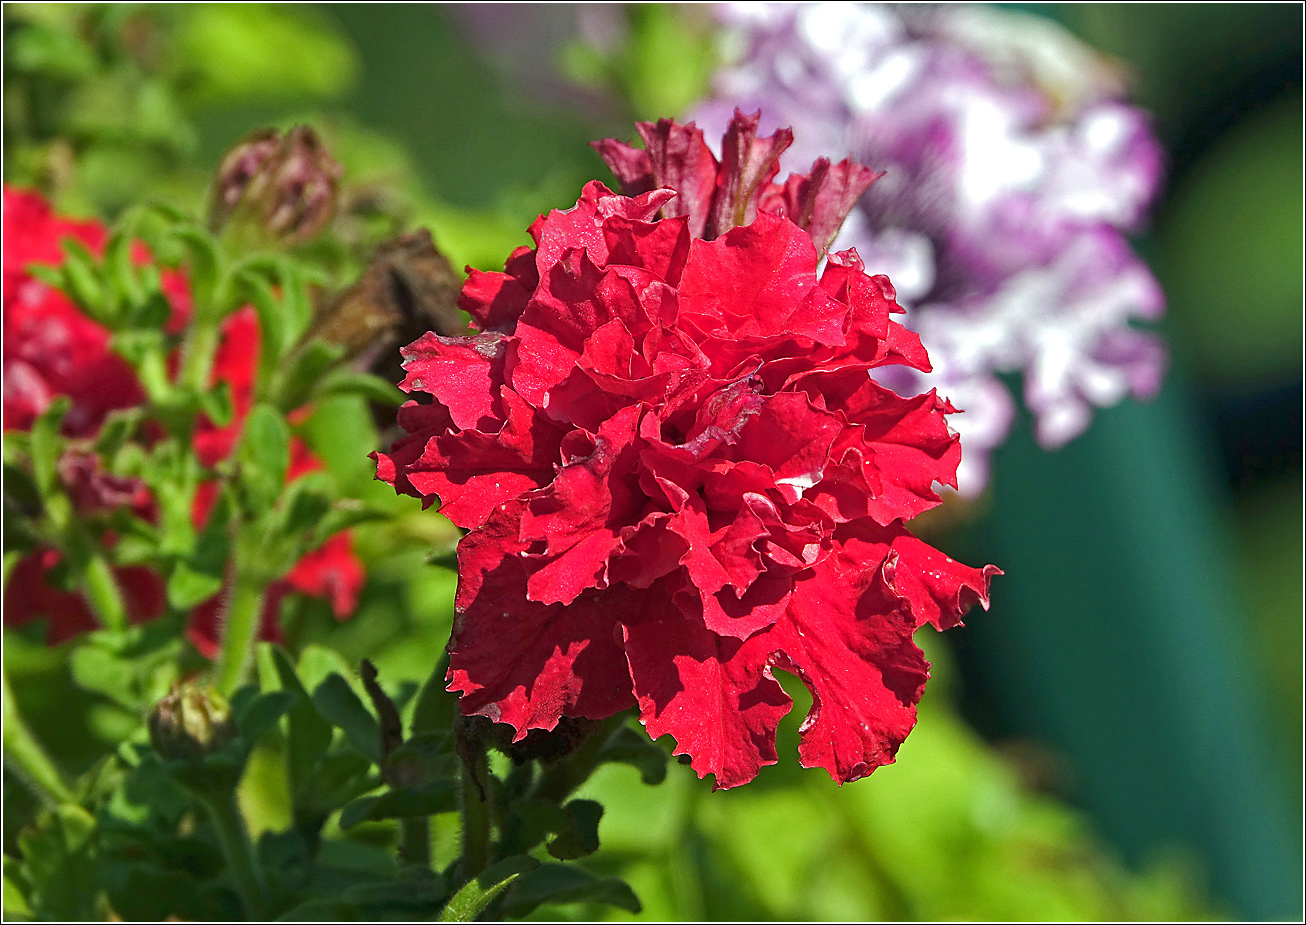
1013	173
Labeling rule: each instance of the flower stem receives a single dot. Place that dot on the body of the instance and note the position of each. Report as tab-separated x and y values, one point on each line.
475	808
24	754
224	811
239	630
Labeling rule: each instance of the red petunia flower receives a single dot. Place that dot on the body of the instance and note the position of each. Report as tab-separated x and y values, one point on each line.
678	474
50	349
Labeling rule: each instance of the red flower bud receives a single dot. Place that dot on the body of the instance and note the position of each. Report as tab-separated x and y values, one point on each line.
284	184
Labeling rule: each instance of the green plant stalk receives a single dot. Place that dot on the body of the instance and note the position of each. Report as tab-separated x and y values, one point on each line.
239	632
24	755
475	816
103	593
224	811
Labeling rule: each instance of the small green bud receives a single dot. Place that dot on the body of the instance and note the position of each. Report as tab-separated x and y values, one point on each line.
192	722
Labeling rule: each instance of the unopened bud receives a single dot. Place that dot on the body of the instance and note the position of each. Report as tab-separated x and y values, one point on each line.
190	723
94	490
284	183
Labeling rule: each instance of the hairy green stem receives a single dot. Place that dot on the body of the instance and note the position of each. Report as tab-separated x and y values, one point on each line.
224	811
24	755
239	631
475	813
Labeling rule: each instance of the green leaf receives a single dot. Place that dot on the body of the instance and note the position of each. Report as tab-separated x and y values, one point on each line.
369	386
261	295
436	707
188	588
477	894
59	861
117	429
216	403
538	819
264	457
47	445
82	282
440	797
152	279
422	758
343	775
308	735
138	545
297	383
202	574
134	668
576	826
1234	217
444	558
262	712
406	894
297	307
566	883
95	669
316	663
306	503
345	513
581	837
147	351
284	854
22	505
51	276
152	312
636	749
144	891
424	746
336	701
15	904
175	499
118	265
16	446
202	271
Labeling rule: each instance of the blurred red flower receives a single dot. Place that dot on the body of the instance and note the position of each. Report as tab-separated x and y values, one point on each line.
678	475
51	348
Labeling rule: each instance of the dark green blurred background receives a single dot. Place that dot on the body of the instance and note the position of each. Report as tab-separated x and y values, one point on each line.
1143	658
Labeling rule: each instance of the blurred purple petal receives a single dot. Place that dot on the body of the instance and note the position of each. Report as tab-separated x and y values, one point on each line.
1012	171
